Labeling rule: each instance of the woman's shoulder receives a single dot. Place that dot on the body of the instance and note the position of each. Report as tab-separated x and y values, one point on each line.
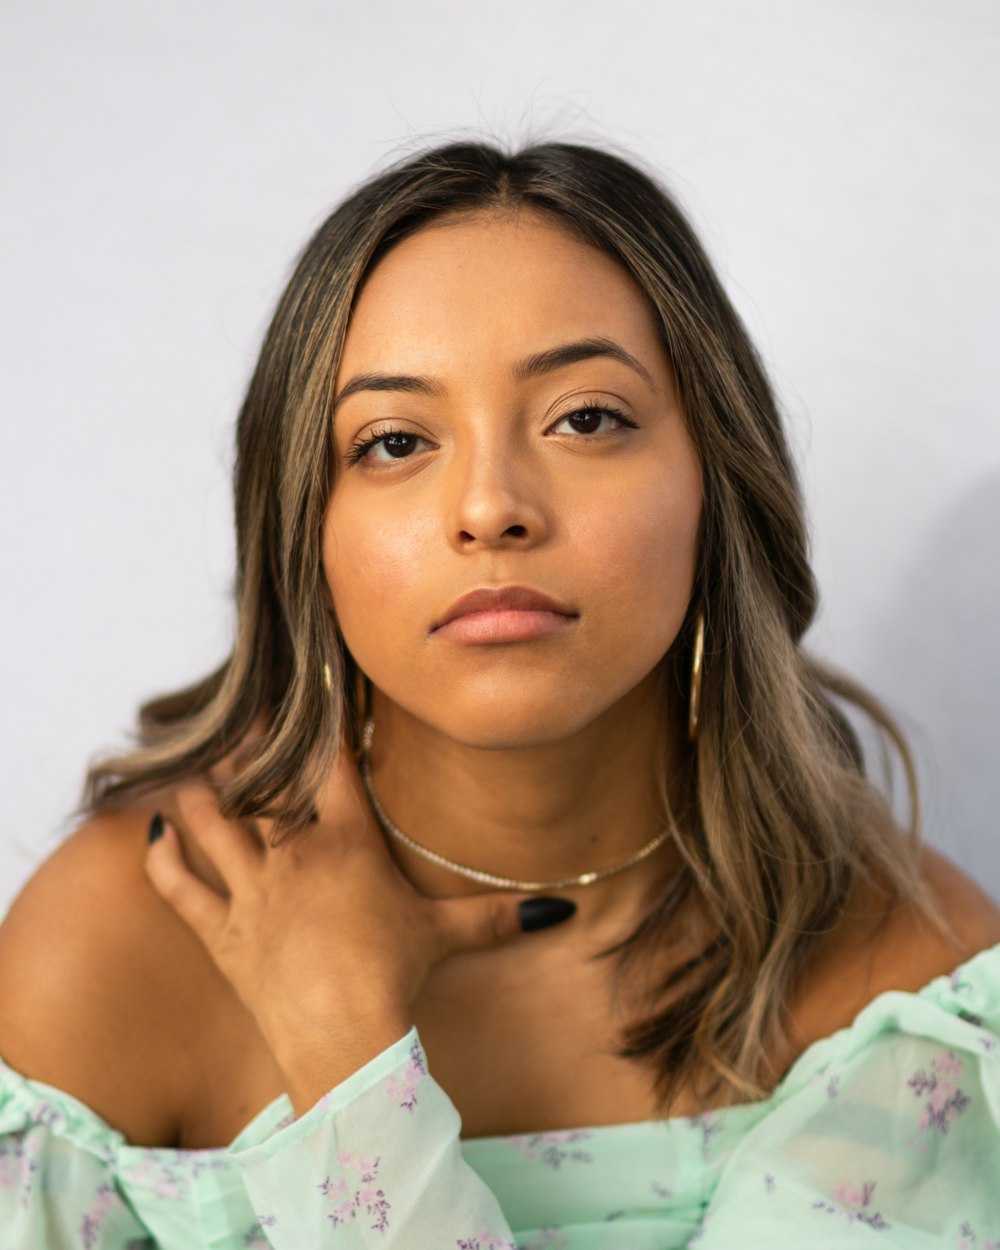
874	951
101	983
970	911
905	951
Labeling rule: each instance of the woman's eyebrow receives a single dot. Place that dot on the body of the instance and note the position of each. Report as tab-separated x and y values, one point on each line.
530	367
570	353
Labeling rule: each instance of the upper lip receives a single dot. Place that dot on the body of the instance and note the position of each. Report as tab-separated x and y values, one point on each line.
493	598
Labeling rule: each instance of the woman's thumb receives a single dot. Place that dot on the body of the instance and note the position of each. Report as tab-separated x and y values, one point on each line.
486	920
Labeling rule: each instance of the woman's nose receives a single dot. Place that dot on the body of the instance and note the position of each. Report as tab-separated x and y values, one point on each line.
495	495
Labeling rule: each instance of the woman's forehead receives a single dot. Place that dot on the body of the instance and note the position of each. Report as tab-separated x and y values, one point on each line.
491	287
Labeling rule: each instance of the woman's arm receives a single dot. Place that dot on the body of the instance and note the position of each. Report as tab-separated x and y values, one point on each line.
96	979
93	986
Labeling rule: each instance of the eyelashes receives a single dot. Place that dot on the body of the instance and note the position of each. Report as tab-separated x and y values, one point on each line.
357	452
360	448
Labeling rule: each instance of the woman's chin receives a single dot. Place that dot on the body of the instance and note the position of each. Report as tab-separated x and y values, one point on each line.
528	711
514	728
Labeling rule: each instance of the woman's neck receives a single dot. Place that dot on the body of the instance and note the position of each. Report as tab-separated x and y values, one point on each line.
538	812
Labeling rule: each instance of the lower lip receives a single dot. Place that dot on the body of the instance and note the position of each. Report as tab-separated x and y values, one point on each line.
509	625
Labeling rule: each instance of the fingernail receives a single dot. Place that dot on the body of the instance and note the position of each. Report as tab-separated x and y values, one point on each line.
540	913
155	828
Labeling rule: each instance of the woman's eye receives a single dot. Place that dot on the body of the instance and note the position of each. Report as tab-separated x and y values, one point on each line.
385	445
591	417
392	440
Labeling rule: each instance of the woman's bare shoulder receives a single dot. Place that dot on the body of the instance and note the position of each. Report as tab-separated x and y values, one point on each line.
972	912
908	951
101	984
874	951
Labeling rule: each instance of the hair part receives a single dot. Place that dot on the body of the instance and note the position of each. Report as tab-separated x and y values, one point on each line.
779	826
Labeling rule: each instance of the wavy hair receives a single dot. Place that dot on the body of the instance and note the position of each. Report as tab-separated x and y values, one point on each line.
779	824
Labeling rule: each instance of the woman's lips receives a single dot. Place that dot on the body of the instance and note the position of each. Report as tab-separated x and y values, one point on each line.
504	625
502	599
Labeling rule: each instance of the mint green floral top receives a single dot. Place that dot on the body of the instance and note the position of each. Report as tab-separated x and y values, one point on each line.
886	1133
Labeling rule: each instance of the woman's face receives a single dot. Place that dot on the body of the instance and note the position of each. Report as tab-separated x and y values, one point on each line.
502	470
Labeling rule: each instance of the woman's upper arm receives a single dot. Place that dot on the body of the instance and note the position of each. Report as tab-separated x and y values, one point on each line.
90	985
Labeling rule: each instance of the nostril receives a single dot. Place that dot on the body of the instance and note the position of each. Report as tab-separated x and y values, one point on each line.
513	531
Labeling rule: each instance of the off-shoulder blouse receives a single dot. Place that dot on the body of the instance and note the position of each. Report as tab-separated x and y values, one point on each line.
886	1133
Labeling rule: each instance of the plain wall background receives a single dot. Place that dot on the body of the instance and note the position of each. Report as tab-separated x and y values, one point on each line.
163	164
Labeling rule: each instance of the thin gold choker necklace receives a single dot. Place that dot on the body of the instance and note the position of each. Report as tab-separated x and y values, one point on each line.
487	878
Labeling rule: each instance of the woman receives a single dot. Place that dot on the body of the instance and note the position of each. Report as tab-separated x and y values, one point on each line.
517	812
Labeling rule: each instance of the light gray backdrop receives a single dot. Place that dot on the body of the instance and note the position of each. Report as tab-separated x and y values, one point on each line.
162	164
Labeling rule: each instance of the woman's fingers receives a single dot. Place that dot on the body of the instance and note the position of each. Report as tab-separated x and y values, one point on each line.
197	904
482	921
234	851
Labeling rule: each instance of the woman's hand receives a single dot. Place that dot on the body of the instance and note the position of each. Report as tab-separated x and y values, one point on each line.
324	940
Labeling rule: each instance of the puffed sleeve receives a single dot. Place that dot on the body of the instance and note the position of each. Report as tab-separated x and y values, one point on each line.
57	1178
891	1139
376	1161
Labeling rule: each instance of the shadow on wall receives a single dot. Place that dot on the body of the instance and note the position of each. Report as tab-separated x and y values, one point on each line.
936	654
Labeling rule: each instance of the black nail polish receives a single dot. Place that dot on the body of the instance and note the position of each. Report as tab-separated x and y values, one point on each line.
540	913
155	828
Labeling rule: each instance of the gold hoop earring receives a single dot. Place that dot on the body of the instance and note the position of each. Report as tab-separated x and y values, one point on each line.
360	688
697	669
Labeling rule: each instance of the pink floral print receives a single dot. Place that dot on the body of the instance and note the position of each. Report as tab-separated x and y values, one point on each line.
957	981
854	1205
945	1102
548	1239
348	1197
551	1148
19	1161
169	1173
404	1087
106	1201
967	1239
256	1238
708	1125
484	1241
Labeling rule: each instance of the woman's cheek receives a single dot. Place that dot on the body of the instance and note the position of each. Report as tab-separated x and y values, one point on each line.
377	575
644	552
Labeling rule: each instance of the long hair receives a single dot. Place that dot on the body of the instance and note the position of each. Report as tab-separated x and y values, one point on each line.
779	824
